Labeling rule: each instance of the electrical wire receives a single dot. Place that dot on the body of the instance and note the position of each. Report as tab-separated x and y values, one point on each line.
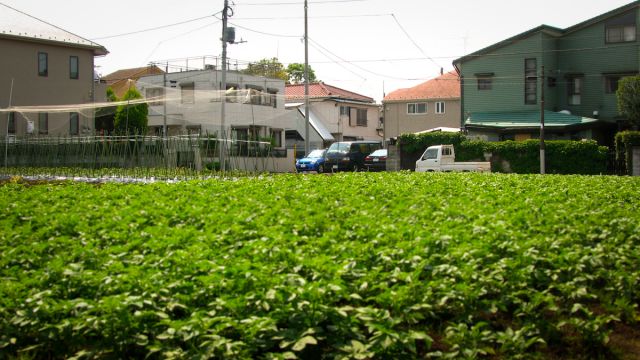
300	3
156	28
413	41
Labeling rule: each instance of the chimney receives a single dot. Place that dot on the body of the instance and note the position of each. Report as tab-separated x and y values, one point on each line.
441	71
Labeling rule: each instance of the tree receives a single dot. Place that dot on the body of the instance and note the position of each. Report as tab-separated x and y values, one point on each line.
132	118
105	116
628	96
295	72
271	68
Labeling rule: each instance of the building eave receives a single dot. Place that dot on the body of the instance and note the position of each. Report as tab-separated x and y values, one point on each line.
553	31
97	50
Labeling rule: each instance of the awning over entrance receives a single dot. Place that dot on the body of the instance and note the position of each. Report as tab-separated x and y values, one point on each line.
526	119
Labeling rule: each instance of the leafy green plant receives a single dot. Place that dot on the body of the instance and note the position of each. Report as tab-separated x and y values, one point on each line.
355	266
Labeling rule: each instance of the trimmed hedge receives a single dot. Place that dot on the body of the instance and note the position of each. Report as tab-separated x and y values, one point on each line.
523	157
625	141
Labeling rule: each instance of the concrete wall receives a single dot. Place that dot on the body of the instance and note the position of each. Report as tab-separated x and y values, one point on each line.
19	61
397	121
273	164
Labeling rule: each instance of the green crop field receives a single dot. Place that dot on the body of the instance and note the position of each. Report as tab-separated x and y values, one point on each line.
353	266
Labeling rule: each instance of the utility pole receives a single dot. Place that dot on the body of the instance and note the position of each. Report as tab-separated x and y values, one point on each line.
223	87
542	146
306	79
164	103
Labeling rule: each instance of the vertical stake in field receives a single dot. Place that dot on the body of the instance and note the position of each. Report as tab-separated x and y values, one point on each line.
542	145
6	139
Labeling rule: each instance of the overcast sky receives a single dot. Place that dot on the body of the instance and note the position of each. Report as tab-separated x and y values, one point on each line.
365	46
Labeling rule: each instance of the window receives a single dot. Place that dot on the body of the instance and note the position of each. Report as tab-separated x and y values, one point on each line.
446	151
253	95
361	117
43	64
345	111
11	127
417	108
621	29
611	82
74	124
431	154
272	98
156	95
530	81
241	138
440	107
187	92
74	67
276	135
485	82
43	123
574	84
194	129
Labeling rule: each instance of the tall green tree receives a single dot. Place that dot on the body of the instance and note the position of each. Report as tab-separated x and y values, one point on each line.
132	118
628	96
271	68
105	116
295	72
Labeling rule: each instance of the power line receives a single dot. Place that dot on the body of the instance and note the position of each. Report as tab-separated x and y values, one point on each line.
337	63
156	28
312	17
413	41
300	3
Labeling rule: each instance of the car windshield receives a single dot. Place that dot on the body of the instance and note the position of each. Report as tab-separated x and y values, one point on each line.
339	148
381	152
315	154
431	154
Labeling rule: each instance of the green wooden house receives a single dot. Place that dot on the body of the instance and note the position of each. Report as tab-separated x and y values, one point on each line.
502	86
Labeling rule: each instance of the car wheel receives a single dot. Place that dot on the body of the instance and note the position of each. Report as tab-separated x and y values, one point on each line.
355	168
320	169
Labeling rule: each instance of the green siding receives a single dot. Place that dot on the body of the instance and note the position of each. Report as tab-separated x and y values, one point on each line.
585	52
507	65
581	51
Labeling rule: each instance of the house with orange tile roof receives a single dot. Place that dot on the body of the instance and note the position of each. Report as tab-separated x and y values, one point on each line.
120	81
432	104
335	114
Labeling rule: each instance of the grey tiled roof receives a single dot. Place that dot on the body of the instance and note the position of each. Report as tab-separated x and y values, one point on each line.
17	24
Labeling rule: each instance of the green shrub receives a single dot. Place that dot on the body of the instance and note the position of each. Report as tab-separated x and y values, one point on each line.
625	141
523	157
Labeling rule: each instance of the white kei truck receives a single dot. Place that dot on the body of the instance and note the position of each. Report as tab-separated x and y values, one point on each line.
442	158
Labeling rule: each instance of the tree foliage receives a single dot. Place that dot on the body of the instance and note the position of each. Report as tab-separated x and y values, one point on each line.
295	73
132	118
628	96
271	68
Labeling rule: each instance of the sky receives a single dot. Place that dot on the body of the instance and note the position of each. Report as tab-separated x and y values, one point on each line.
371	47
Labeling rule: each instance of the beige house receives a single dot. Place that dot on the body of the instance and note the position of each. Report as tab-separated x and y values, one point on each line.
336	114
47	66
432	104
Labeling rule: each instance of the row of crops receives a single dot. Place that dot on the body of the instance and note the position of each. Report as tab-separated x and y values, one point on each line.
353	266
